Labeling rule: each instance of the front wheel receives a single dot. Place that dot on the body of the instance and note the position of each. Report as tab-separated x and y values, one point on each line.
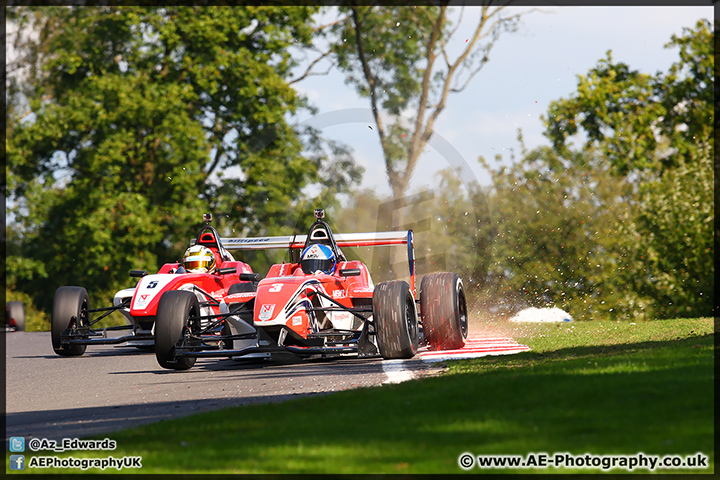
71	307
177	317
395	320
443	311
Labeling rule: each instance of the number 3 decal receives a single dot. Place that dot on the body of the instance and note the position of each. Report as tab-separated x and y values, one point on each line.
276	287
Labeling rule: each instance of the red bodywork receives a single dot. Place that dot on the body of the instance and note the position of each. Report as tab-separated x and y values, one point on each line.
166	279
283	297
293	310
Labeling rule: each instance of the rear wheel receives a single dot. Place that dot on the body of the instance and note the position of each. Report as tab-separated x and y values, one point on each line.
70	312
443	311
395	320
176	320
15	315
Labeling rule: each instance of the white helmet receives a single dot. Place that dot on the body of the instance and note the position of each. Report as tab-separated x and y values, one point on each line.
199	259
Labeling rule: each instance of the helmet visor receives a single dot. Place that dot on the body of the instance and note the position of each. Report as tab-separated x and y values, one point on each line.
312	265
197	265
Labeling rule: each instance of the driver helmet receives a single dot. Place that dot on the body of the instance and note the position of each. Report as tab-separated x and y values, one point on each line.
199	259
317	258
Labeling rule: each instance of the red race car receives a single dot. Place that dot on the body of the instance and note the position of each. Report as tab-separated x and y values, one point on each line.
208	272
14	316
319	303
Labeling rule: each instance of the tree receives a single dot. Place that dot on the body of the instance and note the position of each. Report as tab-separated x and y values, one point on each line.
399	57
641	192
141	118
554	221
669	244
644	123
448	236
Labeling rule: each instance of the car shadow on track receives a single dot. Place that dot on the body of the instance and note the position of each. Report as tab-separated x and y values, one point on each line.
100	422
120	352
290	369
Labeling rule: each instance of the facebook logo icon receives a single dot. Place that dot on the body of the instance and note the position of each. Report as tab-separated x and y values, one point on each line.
17	462
17	444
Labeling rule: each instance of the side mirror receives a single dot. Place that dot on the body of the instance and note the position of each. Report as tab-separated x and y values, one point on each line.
350	272
250	277
226	271
138	273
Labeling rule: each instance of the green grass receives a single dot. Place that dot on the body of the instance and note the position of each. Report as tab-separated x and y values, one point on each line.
598	388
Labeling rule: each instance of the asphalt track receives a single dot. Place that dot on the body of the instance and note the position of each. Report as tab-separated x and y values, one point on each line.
110	388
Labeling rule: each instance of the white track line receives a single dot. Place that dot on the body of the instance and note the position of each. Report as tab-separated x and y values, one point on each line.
396	371
478	345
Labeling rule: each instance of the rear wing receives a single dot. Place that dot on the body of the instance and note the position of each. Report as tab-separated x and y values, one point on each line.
370	239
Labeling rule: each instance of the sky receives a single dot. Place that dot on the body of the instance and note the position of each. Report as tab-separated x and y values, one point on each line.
527	70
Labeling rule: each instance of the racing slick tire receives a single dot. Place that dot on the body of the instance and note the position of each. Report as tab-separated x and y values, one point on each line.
443	311
395	320
15	315
172	325
71	307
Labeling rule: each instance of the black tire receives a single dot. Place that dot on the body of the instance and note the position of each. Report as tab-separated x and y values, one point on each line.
395	320
172	326
70	310
15	315
443	311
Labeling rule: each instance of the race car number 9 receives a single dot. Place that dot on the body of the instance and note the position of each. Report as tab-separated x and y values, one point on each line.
275	287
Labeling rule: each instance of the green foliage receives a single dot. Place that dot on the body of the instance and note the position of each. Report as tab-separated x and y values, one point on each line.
621	227
392	41
643	122
35	320
451	231
670	244
611	101
554	221
397	57
132	121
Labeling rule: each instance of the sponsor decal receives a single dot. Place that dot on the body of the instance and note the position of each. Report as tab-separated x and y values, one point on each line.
141	301
149	287
364	290
339	294
240	296
246	240
266	312
314	253
297	320
342	317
